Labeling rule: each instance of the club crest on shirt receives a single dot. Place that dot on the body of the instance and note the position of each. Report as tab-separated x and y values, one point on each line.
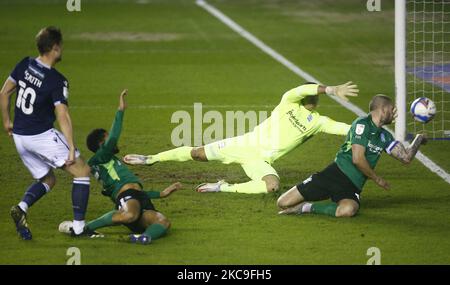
383	138
360	129
309	118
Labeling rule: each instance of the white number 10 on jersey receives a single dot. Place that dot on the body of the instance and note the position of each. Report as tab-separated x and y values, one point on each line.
22	96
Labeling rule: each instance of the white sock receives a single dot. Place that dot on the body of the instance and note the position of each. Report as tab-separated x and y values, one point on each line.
306	208
23	206
78	226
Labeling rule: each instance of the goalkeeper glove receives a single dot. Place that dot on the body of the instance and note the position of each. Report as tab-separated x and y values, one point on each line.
342	91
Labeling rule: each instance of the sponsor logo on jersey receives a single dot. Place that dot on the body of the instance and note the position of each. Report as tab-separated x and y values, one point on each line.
293	119
374	148
36	72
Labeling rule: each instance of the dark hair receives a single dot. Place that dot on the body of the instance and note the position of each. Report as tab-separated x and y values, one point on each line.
94	139
312	99
47	38
379	101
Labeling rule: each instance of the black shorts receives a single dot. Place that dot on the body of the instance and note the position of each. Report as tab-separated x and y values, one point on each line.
144	201
329	183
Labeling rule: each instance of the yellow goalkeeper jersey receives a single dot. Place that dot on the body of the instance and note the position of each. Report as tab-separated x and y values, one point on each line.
291	124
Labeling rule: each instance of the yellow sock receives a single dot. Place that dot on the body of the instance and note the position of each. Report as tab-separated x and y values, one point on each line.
182	153
251	187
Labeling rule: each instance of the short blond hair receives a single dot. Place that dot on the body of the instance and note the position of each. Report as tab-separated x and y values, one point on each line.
379	101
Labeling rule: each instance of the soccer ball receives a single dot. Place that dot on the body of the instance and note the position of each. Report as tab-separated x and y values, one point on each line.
65	226
423	109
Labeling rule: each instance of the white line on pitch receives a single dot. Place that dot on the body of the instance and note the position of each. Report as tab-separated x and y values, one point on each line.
171	107
431	165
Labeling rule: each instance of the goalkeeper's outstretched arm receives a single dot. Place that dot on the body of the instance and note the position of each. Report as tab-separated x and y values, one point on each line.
330	126
311	89
407	154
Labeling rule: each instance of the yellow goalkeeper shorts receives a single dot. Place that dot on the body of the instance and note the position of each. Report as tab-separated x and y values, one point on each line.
235	150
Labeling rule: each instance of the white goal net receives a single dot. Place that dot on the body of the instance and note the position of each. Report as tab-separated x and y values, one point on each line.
428	63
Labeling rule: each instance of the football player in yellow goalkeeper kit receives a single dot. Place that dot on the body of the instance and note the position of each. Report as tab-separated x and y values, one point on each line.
291	123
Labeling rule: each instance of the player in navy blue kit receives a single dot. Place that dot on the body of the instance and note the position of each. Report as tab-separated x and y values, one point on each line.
42	98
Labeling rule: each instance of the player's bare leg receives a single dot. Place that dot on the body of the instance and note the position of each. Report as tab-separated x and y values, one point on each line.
36	191
344	208
272	183
155	225
128	214
290	198
78	169
150	217
49	179
80	192
291	202
347	208
180	154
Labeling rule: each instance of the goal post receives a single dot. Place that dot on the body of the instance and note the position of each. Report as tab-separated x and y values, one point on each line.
400	69
422	64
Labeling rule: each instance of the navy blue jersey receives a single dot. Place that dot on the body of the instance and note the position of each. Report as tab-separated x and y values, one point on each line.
39	89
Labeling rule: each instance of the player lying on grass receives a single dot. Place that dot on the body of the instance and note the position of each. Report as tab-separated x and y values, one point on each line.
343	180
134	208
291	123
42	98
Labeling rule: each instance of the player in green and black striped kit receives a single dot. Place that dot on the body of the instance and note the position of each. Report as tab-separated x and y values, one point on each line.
134	208
343	180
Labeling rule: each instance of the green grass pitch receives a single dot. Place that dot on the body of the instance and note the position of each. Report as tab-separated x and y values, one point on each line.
171	54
